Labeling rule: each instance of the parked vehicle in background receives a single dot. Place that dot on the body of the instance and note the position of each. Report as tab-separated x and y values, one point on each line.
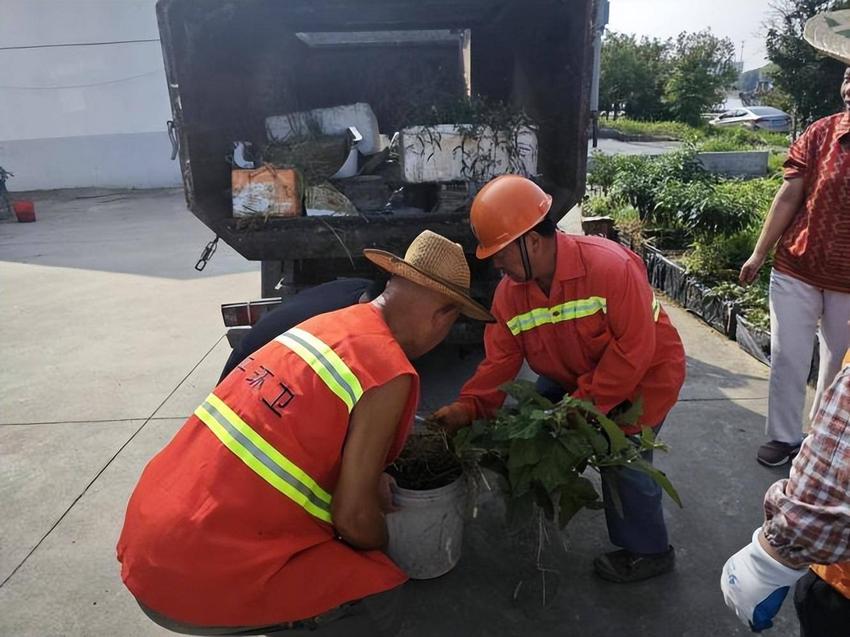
755	118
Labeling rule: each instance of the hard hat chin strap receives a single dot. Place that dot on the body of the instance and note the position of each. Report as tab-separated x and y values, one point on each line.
526	263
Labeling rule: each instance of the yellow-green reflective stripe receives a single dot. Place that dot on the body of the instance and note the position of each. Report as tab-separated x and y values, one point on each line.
326	363
568	311
263	459
656	308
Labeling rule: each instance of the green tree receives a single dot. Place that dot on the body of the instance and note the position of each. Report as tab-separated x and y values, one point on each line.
632	75
702	68
808	80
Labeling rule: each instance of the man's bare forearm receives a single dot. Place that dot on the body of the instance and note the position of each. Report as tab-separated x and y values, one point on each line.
785	206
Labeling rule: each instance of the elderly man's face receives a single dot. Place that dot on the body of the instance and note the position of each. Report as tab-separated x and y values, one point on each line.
845	89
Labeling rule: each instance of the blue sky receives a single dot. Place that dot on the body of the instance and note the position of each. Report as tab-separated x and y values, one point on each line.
740	20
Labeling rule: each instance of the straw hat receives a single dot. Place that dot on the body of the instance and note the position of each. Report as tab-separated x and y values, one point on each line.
436	263
829	33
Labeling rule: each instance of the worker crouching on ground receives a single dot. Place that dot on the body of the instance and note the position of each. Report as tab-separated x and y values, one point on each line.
581	312
266	511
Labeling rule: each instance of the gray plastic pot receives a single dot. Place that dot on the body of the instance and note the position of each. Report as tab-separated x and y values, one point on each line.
426	532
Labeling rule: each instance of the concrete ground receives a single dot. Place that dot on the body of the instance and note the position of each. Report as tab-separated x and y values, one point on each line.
111	340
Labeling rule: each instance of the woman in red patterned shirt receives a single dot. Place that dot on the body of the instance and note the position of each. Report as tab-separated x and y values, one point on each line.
810	281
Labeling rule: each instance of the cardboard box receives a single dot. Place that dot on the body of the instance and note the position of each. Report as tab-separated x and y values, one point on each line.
266	192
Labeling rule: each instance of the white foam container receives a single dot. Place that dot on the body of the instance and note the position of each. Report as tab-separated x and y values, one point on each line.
331	121
442	153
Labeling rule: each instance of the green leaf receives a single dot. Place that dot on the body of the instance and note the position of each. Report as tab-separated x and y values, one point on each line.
525	392
591	435
630	415
545	500
575	496
523	430
639	464
549	472
520	480
525	451
575	443
616	437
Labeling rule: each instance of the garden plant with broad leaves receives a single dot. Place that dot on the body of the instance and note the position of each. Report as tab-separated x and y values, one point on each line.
541	449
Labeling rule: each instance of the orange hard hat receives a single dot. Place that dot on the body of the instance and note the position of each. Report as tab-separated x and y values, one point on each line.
505	209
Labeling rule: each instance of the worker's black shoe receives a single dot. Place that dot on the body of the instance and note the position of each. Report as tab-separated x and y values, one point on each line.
776	454
624	566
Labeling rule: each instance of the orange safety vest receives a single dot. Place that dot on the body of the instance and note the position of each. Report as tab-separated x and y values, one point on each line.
230	524
836	575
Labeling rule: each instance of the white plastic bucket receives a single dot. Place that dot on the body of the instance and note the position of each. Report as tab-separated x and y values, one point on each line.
426	533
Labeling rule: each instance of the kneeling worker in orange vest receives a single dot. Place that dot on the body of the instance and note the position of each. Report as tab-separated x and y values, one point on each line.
266	510
581	312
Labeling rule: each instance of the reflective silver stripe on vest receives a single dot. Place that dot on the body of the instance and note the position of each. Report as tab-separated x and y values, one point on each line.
262	458
326	363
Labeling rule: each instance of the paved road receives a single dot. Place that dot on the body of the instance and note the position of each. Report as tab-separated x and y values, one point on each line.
111	340
615	147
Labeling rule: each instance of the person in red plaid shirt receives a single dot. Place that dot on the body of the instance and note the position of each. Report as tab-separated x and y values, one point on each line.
807	523
810	281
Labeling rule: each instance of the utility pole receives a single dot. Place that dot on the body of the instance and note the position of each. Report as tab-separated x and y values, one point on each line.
599	21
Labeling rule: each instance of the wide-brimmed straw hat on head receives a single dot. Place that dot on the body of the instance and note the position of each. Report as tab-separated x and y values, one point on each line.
829	33
436	263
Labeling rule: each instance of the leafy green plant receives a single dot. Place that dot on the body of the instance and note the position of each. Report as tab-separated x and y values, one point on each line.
603	170
607	205
541	449
718	259
753	301
640	179
775	163
708	209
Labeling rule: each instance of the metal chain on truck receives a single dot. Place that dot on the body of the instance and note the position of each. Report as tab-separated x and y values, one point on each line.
207	254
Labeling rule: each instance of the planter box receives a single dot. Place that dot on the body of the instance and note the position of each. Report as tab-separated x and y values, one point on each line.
599	227
722	314
754	341
441	154
673	280
747	163
665	275
719	313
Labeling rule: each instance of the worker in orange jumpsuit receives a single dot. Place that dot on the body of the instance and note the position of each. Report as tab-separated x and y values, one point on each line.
581	312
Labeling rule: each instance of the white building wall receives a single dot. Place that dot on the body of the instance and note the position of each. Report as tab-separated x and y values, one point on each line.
83	98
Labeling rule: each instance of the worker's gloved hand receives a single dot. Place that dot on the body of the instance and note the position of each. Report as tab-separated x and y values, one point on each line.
451	417
754	584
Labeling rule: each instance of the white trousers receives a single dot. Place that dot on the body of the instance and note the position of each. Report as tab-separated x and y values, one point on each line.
798	311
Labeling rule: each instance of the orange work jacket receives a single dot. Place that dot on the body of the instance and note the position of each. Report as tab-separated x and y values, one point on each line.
600	333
